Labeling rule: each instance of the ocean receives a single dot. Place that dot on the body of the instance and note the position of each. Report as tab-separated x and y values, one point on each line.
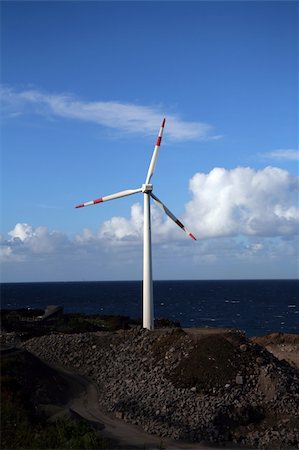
257	307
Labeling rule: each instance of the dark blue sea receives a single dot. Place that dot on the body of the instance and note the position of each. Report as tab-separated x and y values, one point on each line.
256	306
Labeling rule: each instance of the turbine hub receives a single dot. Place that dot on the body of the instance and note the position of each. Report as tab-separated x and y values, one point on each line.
147	188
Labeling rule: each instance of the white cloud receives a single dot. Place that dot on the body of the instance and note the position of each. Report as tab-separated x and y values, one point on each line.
27	241
243	201
119	228
245	221
86	236
282	155
96	258
21	231
124	117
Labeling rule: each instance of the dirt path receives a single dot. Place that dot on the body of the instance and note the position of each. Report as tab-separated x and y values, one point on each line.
84	402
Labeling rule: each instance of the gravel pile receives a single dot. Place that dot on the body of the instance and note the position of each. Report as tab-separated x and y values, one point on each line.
214	388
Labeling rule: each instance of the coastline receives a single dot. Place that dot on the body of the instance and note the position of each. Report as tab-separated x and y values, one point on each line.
256	306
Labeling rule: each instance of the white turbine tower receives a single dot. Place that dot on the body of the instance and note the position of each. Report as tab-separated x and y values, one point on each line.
146	188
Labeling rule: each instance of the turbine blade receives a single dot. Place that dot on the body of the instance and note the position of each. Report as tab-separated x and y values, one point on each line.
155	154
110	197
172	216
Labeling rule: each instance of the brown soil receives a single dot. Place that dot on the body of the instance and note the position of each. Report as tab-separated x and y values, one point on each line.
212	363
284	346
277	338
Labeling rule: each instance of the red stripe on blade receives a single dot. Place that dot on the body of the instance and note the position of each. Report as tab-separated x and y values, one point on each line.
163	123
158	141
98	200
80	206
192	236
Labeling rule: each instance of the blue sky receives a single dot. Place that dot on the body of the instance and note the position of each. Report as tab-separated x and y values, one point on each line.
85	86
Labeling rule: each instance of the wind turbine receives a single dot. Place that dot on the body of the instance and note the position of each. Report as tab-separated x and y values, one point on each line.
146	188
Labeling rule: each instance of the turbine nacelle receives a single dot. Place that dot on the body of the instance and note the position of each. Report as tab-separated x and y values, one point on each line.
147	188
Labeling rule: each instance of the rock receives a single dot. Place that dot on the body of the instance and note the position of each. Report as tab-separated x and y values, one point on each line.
259	361
239	379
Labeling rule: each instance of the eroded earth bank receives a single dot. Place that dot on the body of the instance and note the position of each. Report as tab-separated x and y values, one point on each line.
203	385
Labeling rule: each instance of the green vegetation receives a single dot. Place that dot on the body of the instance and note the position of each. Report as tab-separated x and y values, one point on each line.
23	428
18	432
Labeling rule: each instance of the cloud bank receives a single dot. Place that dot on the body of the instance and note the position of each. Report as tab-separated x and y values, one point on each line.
241	201
244	201
124	117
243	218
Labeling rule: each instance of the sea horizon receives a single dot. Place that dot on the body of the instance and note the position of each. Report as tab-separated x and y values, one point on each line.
257	306
155	280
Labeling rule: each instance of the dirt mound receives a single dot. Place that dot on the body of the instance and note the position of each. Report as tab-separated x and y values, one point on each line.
172	340
216	386
283	346
214	362
276	338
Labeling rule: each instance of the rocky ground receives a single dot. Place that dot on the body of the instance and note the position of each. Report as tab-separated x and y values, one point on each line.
195	385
